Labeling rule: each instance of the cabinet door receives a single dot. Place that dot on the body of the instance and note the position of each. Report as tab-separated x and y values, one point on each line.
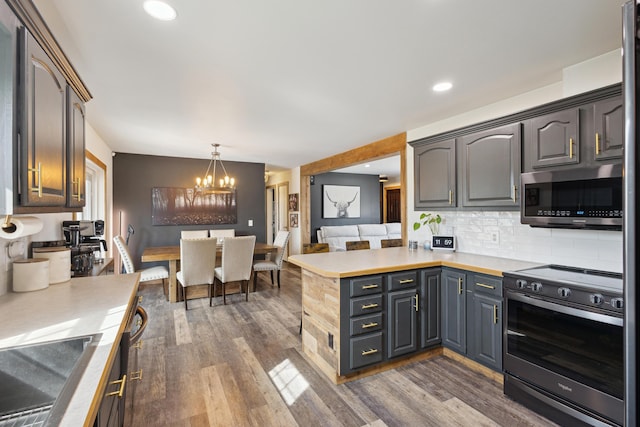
42	130
609	129
430	308
490	166
109	414
435	175
487	333
75	147
454	311
402	326
553	139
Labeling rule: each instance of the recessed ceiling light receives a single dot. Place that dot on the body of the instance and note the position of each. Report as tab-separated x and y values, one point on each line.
442	86
159	10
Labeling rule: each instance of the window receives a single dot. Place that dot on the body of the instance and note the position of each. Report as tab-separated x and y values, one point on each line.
95	189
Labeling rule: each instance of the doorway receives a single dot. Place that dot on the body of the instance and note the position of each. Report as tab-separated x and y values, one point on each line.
277	205
391	201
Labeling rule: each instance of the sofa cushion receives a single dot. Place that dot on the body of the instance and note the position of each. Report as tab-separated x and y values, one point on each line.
394	230
373	233
337	236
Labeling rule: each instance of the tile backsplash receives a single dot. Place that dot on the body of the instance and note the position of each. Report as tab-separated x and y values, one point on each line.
499	233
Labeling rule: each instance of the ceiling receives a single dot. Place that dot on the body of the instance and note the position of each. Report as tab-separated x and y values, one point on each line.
289	82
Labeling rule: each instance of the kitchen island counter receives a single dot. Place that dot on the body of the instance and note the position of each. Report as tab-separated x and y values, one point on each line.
79	307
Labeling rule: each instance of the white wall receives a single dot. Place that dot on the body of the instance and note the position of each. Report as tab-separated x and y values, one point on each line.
52	223
292	177
474	230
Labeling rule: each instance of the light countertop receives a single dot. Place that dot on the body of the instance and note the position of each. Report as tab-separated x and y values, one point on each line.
81	306
375	261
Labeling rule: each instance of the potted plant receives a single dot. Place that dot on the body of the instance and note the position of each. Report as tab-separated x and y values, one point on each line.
430	220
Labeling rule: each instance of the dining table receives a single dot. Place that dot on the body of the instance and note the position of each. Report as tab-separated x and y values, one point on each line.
172	255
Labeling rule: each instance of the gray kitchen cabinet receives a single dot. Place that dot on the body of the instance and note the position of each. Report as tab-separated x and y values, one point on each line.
609	129
553	139
485	330
42	127
490	166
75	145
111	411
402	325
454	310
429	309
435	175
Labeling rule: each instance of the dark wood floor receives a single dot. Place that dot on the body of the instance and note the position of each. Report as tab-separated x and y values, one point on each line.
242	365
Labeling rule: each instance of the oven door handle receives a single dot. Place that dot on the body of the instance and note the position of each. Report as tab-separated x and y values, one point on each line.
571	311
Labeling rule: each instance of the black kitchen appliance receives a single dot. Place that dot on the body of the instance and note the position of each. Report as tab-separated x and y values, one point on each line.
563	343
85	240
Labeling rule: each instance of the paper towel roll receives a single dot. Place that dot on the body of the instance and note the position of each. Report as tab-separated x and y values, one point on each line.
30	274
59	263
20	226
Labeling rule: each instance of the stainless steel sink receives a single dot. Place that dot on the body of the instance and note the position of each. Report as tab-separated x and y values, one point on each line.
37	381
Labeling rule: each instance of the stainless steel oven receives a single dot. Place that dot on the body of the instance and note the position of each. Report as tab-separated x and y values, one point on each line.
563	344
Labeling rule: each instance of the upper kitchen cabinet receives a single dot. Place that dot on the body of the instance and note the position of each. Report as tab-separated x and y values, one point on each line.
553	139
490	166
435	174
75	148
609	129
42	136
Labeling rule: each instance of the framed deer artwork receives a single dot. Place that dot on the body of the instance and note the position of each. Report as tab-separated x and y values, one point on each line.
340	201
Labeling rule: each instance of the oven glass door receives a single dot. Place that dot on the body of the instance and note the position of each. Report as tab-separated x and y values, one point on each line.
584	346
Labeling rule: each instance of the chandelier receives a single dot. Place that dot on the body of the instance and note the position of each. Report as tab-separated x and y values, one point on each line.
208	184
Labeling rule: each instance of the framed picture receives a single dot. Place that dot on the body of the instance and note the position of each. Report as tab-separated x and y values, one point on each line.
293	220
185	206
293	202
340	201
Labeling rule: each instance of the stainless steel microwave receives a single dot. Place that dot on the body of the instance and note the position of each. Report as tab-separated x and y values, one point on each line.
573	198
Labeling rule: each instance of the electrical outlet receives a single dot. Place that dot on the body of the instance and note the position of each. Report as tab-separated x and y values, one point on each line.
250	223
495	237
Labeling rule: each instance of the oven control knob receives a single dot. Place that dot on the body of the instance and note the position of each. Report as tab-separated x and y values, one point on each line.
521	284
617	303
596	299
564	292
536	286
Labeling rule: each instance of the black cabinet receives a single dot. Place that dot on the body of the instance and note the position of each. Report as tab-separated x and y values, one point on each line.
454	310
553	139
490	166
609	129
485	330
429	308
402	313
435	175
75	148
111	412
42	118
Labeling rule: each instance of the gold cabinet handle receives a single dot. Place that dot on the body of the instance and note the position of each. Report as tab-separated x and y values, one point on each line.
485	286
369	287
120	391
515	193
37	170
369	325
139	299
405	281
450	197
459	285
417	303
76	184
136	375
139	322
138	345
370	352
495	314
597	143
571	148
367	306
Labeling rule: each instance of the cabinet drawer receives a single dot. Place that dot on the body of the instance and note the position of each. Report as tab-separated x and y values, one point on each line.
488	285
404	280
366	305
365	350
365	324
365	286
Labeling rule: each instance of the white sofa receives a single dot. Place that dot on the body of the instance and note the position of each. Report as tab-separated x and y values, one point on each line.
337	235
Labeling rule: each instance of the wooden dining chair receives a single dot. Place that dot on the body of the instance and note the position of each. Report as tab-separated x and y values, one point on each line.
390	243
314	248
356	245
237	262
198	260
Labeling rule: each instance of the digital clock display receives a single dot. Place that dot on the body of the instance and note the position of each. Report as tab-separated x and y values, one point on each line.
443	242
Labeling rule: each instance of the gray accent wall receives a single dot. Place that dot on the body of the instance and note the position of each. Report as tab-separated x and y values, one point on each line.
134	176
369	200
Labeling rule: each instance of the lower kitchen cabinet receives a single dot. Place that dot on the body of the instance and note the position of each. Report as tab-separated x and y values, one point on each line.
454	310
487	336
429	308
403	322
111	412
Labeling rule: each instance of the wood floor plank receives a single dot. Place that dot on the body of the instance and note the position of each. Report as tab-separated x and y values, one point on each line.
183	333
218	408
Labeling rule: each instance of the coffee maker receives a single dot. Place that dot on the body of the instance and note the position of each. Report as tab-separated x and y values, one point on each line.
84	238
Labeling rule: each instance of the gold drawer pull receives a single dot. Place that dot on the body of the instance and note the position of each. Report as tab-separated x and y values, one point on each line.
37	170
369	325
137	345
370	352
367	306
139	299
369	287
485	286
405	281
136	375
120	391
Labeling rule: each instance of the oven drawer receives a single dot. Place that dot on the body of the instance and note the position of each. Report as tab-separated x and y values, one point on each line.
365	286
488	285
365	324
366	305
365	350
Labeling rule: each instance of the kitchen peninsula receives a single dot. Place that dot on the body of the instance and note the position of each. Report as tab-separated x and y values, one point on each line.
98	306
363	310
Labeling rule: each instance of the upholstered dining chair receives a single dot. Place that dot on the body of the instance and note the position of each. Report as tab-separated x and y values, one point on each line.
357	245
194	234
197	263
146	275
237	260
272	263
220	234
390	243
